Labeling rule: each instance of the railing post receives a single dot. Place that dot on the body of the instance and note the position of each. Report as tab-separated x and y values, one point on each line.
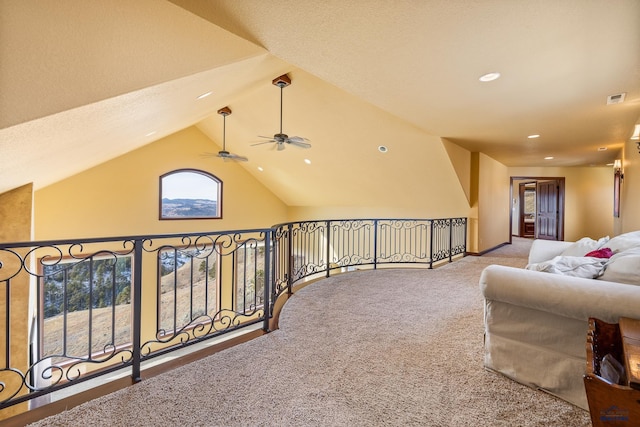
328	247
137	310
450	239
431	244
267	282
465	237
289	258
375	244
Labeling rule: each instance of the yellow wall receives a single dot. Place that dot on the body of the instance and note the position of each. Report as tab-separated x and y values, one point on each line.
588	198
15	217
121	197
489	204
435	190
461	161
630	203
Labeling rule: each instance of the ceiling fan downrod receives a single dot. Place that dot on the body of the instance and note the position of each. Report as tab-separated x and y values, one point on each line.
282	82
224	111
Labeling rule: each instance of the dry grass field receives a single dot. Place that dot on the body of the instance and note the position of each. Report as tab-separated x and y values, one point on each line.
99	330
111	326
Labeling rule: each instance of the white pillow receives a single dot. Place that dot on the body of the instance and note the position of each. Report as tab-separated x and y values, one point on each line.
623	267
624	241
584	246
576	266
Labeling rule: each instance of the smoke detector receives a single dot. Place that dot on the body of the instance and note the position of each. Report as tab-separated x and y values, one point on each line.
616	99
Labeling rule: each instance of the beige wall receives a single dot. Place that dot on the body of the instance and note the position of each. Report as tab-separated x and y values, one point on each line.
437	188
461	162
588	198
121	197
489	213
15	217
629	200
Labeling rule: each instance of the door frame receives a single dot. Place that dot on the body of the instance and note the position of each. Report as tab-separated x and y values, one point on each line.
521	193
561	199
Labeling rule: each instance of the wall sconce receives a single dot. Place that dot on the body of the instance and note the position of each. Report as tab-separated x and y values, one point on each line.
617	168
636	136
617	180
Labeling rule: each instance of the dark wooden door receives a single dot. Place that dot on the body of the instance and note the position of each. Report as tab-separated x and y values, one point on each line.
547	200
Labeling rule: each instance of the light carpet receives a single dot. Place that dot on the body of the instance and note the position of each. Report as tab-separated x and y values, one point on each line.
370	348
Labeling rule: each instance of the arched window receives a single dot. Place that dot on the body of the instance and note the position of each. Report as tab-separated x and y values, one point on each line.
190	194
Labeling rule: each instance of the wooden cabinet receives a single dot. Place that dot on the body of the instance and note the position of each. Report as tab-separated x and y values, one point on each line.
529	228
610	404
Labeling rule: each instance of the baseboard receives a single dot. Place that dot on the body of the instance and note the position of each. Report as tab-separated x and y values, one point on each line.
488	250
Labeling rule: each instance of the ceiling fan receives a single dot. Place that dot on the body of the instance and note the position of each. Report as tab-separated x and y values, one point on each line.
280	139
224	154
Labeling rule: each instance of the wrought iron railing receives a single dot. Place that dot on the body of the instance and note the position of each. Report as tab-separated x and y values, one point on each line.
80	309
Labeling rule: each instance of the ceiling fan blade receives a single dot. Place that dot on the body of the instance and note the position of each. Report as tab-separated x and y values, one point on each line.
300	144
237	157
297	139
266	142
230	156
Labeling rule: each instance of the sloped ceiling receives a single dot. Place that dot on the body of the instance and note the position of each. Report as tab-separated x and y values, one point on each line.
84	81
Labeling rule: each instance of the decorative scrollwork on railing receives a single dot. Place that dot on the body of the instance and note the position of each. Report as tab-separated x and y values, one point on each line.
11	264
352	242
204	285
309	249
199	329
404	241
51	372
12	382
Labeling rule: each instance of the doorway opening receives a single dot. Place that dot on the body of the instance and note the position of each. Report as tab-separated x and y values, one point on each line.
537	207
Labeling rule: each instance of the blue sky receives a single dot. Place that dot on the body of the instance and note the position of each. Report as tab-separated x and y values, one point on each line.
189	185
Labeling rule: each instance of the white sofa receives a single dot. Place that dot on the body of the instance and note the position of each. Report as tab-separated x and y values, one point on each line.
535	322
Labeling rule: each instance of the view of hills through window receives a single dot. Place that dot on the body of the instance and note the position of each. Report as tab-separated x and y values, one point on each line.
189	194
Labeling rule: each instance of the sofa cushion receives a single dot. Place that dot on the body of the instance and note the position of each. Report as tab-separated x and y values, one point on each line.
623	267
624	241
584	246
576	266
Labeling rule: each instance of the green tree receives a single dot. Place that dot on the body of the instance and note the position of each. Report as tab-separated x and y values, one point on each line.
124	296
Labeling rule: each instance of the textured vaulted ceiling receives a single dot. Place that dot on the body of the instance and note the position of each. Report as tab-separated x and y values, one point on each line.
84	81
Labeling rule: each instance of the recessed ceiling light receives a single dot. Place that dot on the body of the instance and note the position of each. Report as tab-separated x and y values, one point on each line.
383	149
549	158
204	95
602	148
307	161
489	77
260	168
534	136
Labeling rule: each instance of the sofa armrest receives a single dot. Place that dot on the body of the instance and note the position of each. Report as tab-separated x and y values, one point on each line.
571	297
544	250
